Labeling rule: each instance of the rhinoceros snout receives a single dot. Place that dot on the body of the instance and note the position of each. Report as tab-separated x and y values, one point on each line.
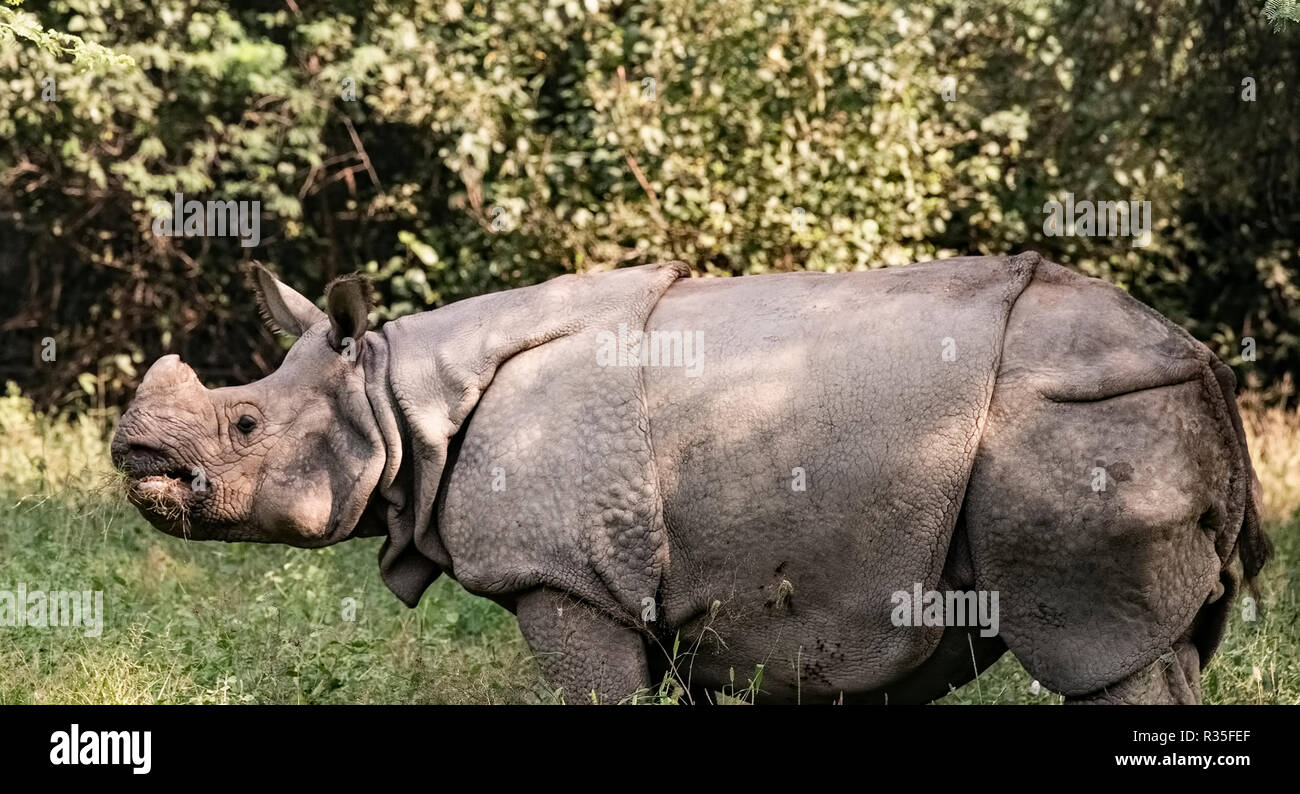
137	459
168	394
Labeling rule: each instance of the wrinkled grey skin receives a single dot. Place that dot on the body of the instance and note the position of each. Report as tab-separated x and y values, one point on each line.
945	421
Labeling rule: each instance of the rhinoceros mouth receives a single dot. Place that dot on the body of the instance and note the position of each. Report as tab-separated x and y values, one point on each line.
154	470
167	497
164	490
175	484
168	477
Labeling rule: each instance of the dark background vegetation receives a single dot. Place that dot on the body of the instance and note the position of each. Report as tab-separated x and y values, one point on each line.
538	113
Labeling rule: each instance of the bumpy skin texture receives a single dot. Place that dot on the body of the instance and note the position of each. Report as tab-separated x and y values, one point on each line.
845	437
1096	584
660	488
558	488
590	657
845	378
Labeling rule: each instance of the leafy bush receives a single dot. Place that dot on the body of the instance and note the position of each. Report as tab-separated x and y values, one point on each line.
495	145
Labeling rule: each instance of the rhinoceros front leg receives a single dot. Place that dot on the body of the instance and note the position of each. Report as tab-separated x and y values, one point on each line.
582	652
1174	678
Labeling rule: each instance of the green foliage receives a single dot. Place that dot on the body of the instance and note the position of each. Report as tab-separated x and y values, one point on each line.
1280	12
452	148
14	24
193	623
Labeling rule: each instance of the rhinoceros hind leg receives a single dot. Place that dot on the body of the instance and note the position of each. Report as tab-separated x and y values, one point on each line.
1172	679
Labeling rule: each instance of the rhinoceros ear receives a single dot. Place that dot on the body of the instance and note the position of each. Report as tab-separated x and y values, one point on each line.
285	309
349	299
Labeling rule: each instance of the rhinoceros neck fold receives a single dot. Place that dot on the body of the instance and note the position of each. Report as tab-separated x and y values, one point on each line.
439	363
383	406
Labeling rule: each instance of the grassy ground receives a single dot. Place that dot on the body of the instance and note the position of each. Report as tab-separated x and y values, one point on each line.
240	623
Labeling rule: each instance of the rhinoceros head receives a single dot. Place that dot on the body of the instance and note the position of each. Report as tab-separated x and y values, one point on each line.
291	458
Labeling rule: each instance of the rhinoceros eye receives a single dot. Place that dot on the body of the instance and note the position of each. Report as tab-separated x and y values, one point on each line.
246	424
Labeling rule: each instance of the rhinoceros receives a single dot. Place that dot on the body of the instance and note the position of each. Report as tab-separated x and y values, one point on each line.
873	484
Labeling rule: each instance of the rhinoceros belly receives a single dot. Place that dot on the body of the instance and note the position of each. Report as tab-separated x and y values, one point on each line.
812	454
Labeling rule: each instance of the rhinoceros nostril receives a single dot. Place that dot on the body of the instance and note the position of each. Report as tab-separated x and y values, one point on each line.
138	459
143	449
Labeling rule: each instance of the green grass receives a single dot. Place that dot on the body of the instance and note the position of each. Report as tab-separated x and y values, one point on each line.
243	623
239	623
